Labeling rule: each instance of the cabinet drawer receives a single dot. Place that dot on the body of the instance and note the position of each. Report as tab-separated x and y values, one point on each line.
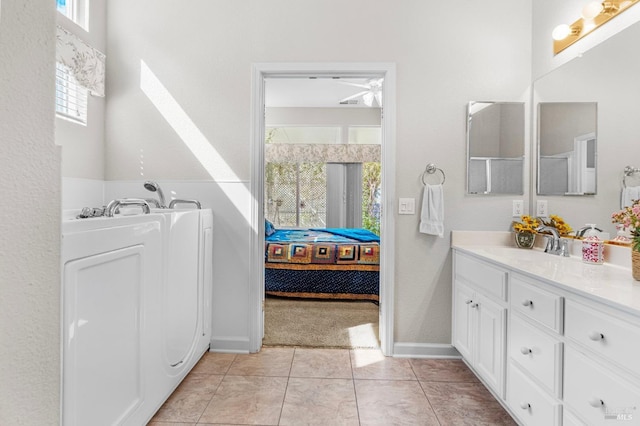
613	338
540	305
529	403
569	419
492	280
537	353
597	394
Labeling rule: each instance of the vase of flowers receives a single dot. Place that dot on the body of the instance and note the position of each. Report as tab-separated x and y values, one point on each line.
629	218
525	231
557	222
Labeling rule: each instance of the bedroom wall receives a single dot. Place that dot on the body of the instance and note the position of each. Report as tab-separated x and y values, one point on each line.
179	111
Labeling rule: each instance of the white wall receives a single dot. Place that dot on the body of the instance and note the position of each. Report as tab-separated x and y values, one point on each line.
181	77
83	145
30	225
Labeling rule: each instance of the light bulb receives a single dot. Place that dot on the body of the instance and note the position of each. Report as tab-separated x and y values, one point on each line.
561	32
591	10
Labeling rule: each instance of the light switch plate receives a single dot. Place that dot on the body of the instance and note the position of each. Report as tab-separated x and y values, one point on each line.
407	206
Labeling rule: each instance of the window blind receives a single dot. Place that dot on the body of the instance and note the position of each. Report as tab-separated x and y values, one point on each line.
71	98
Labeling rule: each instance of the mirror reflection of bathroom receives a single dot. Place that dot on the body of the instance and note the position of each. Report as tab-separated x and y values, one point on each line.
567	150
495	148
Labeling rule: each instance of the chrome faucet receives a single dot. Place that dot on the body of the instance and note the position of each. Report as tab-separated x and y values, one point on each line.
153	201
154	187
553	241
580	232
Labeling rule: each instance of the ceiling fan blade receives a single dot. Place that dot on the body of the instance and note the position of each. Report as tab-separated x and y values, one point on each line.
379	99
368	99
354	96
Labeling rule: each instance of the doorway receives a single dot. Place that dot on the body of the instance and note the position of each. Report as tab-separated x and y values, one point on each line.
369	71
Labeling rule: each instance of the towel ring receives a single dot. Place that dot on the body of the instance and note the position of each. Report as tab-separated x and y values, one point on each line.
431	169
629	171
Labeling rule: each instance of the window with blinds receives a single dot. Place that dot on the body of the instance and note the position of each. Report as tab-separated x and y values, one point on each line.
71	98
76	10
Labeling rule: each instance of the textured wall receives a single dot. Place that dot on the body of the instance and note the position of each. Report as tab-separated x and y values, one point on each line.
183	77
30	225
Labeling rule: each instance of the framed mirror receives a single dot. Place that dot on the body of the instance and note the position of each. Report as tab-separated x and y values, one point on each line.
495	148
567	148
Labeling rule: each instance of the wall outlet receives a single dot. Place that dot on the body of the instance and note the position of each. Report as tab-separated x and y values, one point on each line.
407	206
518	208
542	209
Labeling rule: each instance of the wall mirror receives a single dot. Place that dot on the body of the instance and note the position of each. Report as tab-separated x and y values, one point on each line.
495	147
606	75
567	148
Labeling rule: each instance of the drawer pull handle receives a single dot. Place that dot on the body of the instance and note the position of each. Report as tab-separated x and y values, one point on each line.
474	305
596	402
595	336
525	405
525	351
468	301
527	303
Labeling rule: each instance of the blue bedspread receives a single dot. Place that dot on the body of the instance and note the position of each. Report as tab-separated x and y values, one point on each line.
358	234
322	235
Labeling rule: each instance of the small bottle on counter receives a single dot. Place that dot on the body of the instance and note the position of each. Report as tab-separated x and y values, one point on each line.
592	246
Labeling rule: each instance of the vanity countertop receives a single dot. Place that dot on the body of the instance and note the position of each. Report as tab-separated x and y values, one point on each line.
611	283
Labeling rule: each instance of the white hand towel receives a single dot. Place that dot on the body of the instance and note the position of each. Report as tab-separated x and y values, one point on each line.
432	214
629	194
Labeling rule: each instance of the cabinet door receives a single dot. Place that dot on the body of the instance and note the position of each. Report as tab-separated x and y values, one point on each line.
462	317
490	343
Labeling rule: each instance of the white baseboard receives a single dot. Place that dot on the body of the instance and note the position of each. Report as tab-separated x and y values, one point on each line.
232	345
425	350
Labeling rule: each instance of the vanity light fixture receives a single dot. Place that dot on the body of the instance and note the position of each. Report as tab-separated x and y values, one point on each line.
594	14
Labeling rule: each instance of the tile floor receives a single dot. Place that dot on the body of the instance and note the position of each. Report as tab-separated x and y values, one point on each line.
287	386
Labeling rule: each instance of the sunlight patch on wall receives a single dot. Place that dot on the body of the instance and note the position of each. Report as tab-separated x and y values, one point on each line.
191	136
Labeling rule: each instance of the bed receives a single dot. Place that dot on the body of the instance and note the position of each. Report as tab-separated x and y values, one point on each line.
322	263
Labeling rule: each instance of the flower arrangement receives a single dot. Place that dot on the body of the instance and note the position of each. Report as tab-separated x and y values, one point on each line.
557	222
528	224
629	218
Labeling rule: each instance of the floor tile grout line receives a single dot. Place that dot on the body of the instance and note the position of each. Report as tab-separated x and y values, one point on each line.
435	413
212	395
353	384
286	388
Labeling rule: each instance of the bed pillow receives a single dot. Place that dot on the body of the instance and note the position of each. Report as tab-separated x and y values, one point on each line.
269	229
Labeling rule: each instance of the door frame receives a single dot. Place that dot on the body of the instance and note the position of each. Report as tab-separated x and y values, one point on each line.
259	72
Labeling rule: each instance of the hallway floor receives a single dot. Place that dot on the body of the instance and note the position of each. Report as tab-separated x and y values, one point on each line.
287	386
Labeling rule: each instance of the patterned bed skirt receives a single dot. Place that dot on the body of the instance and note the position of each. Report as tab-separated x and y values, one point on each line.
361	282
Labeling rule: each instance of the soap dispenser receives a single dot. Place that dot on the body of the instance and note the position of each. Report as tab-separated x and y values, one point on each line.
592	246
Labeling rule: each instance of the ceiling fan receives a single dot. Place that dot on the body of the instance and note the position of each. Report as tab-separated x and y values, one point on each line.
373	91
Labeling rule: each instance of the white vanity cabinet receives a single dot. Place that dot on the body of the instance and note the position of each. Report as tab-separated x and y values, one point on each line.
571	333
535	351
480	314
602	369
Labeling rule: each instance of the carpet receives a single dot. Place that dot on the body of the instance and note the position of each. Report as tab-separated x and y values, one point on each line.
320	323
